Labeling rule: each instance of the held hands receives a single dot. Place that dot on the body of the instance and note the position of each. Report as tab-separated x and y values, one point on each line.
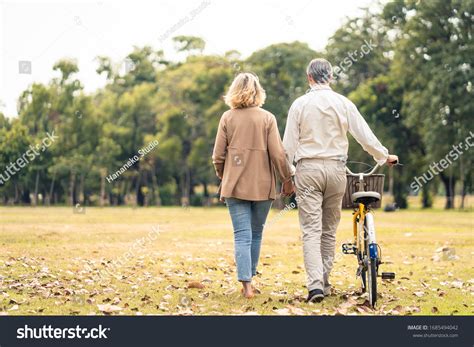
392	160
287	188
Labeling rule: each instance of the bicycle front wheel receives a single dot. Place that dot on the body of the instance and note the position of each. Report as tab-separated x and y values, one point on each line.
372	258
372	281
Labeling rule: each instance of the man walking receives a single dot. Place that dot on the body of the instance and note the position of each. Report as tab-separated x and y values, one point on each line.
316	139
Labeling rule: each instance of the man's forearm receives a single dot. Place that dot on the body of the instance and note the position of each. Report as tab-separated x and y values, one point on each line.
362	133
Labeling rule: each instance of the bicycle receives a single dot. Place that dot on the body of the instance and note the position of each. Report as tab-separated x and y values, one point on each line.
365	247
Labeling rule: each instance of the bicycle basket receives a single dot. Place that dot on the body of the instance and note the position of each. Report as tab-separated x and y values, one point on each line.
372	183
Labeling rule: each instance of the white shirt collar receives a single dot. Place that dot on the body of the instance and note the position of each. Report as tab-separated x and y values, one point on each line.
317	86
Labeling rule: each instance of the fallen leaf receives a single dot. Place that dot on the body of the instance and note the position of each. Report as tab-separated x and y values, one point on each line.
195	285
282	311
230	291
297	311
411	309
456	284
163	306
107	308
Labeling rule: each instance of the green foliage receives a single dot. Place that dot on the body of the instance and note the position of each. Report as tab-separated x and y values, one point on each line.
408	67
433	61
189	43
359	50
282	72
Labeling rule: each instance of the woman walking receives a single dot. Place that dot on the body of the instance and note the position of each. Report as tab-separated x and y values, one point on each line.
247	152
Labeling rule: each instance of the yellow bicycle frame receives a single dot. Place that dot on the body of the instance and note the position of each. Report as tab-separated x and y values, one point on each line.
359	213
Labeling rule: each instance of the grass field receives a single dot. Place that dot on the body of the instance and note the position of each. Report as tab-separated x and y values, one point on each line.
114	261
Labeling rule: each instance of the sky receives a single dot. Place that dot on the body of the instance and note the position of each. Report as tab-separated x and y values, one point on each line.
36	34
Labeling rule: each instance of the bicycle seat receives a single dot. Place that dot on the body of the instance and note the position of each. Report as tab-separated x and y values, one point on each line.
366	197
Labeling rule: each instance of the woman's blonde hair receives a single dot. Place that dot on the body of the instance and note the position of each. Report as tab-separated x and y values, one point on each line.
245	91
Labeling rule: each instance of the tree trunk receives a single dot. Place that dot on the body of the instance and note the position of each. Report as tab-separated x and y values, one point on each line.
103	173
17	195
463	196
82	197
25	197
120	195
399	184
185	186
426	199
449	186
127	186
463	182
72	178
400	194
207	199
146	196
51	190
140	199
390	181
35	195
466	188
154	186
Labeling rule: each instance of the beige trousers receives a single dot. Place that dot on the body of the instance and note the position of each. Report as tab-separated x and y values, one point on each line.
320	187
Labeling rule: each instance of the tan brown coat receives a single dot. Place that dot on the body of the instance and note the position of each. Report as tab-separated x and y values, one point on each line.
248	152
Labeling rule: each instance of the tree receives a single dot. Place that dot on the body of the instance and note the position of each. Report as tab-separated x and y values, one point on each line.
281	69
36	114
396	65
189	43
14	144
379	100
358	51
189	106
437	99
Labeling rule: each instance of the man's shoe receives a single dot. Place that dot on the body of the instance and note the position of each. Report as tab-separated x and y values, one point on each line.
315	295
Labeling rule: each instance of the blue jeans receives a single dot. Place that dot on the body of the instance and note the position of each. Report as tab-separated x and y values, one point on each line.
248	218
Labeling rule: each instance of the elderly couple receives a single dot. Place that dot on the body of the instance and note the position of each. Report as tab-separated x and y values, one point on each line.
248	152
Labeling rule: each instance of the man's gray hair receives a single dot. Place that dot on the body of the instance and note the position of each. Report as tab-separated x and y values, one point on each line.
320	70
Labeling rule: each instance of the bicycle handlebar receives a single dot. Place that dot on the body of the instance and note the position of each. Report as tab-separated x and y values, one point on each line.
362	173
375	168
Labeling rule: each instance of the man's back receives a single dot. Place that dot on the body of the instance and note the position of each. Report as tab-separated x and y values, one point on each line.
317	127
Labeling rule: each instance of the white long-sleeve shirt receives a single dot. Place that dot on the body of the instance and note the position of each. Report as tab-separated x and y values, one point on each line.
317	127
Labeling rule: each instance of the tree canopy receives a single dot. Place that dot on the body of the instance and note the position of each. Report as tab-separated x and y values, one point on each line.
408	67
